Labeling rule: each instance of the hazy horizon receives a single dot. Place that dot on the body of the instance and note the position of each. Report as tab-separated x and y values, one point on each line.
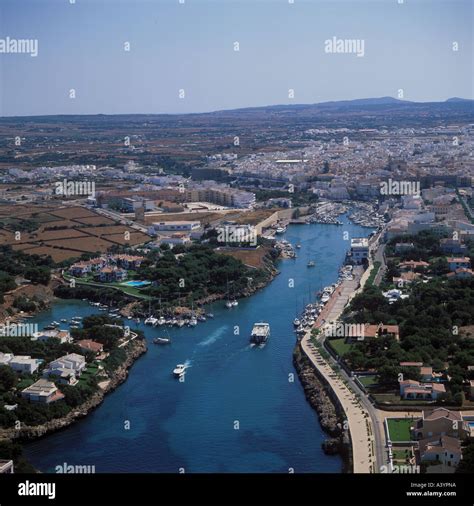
191	47
226	110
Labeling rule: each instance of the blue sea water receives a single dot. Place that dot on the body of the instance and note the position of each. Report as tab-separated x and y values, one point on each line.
240	409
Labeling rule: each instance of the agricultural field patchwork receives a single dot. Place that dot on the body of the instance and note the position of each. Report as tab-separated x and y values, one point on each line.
63	233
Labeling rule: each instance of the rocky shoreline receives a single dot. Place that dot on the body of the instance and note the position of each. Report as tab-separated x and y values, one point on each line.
329	412
28	433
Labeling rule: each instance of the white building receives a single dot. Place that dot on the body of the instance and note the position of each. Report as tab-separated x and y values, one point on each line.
42	391
359	249
72	362
173	226
24	364
5	358
63	336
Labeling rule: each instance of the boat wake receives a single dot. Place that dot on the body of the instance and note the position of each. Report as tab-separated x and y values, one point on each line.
215	336
187	364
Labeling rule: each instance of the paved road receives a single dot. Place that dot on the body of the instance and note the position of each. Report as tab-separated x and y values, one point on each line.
380	257
365	427
365	421
360	426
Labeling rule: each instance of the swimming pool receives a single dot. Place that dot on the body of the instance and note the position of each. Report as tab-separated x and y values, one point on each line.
136	284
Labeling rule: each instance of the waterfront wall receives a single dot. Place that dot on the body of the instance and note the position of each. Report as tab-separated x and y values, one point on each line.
324	401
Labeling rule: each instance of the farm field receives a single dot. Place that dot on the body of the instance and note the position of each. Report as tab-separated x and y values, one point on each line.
252	258
63	233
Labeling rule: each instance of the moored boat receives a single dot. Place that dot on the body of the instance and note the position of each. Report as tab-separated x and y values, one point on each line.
151	320
161	340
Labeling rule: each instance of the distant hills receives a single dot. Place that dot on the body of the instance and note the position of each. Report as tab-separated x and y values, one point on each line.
376	110
366	101
387	101
457	99
388	107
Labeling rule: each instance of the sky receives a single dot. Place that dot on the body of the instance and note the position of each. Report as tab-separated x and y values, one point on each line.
191	46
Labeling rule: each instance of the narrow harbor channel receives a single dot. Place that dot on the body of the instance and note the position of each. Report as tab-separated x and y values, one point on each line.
240	409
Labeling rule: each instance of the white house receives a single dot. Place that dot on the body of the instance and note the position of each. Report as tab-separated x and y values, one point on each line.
67	369
444	449
42	391
63	336
73	362
24	364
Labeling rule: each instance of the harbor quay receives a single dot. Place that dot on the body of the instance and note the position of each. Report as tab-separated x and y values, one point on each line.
359	420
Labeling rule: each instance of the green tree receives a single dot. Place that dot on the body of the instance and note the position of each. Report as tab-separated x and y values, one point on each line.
8	378
467	463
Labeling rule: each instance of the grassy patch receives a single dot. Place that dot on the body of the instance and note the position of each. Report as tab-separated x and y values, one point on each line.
373	273
368	381
340	346
401	454
394	398
399	429
24	383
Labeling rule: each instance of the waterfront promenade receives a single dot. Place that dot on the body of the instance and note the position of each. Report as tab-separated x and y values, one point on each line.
358	419
369	439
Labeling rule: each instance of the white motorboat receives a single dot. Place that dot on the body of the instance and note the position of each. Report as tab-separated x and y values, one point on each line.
179	370
162	340
151	320
260	333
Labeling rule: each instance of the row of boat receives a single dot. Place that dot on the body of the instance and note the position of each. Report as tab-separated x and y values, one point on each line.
286	248
308	318
75	322
346	272
177	322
